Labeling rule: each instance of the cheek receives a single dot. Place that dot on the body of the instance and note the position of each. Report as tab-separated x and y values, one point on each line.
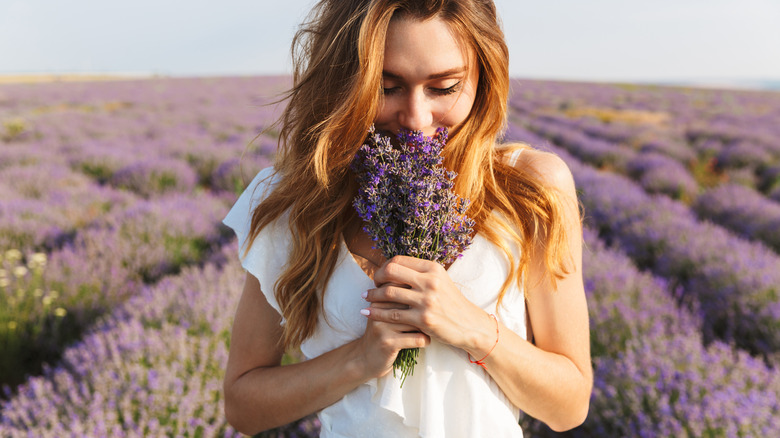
384	115
458	112
388	111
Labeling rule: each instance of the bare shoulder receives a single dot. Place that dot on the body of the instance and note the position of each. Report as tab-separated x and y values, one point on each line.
552	170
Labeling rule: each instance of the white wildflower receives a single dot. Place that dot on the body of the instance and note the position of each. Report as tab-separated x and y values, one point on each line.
13	255
20	271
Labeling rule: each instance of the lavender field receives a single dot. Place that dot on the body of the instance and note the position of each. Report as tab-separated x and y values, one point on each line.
118	284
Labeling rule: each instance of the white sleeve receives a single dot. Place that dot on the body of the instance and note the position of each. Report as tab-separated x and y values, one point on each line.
270	250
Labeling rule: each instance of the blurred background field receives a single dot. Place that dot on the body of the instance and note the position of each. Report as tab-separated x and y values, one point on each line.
118	284
42	78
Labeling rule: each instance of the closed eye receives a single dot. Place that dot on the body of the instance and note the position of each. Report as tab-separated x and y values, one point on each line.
438	91
446	91
390	91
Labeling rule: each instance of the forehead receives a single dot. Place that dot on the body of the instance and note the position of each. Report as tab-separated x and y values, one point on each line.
420	48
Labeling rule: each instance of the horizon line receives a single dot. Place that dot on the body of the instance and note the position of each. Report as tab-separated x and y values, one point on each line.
736	83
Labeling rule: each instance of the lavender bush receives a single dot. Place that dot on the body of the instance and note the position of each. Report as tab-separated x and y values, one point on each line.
102	243
406	201
233	175
124	250
673	148
659	381
626	304
735	281
672	386
691	126
769	178
149	177
652	373
600	153
744	154
744	176
98	160
775	194
42	206
744	211
658	173
725	277
154	367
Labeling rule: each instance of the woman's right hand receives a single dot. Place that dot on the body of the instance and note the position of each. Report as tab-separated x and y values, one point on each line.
261	394
382	341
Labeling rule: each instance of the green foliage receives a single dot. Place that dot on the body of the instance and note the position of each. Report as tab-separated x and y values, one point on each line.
163	181
30	315
14	129
101	172
705	172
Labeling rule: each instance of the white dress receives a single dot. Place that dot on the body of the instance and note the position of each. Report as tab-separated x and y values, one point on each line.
447	396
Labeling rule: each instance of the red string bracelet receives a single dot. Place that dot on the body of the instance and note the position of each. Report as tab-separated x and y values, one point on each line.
481	362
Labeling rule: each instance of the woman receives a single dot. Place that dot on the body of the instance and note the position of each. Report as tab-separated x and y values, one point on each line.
314	280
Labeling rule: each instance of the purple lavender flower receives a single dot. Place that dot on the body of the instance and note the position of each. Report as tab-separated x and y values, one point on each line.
744	211
152	176
744	154
405	198
659	173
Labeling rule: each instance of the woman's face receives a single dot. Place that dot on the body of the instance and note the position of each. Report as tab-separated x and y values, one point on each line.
426	78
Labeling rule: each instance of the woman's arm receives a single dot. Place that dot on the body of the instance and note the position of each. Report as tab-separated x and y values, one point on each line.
261	394
550	380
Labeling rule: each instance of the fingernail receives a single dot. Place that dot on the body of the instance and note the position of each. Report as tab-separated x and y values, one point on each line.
365	312
364	294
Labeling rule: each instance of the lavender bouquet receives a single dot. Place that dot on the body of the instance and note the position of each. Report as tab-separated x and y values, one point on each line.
406	200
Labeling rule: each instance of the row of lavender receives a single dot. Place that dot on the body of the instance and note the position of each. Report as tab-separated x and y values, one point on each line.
154	367
732	282
733	205
653	374
110	186
719	158
737	129
81	142
100	267
664	382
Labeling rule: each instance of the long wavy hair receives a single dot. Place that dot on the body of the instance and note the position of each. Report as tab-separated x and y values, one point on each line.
338	56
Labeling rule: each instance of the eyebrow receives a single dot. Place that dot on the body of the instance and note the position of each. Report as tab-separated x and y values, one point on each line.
444	74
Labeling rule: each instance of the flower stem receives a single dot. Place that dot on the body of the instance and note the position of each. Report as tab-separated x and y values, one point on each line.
405	362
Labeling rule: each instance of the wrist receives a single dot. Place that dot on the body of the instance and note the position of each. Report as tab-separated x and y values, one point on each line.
484	337
357	367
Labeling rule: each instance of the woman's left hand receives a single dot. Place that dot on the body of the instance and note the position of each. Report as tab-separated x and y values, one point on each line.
436	305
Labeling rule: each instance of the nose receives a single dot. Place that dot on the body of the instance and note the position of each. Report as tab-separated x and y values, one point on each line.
416	115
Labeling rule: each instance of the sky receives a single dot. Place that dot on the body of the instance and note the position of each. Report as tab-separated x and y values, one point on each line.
591	40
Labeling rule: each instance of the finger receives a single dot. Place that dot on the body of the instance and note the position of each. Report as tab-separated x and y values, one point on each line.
388	305
394	327
414	340
392	294
395	316
399	328
414	263
398	271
